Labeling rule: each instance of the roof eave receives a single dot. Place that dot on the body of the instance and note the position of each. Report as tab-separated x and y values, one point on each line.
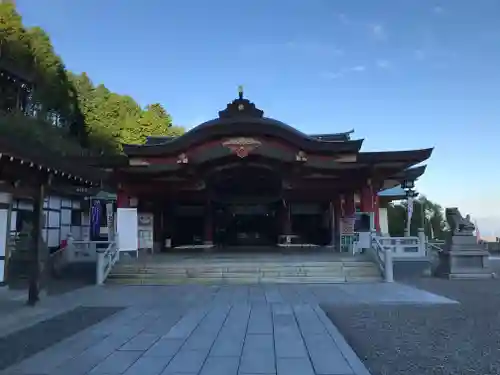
411	174
411	157
308	145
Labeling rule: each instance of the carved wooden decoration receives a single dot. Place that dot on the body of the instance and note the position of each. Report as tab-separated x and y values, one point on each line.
182	159
242	146
301	157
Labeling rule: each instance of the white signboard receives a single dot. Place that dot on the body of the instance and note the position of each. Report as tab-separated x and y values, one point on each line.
146	231
127	229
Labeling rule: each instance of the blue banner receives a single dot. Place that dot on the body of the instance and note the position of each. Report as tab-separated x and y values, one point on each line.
95	218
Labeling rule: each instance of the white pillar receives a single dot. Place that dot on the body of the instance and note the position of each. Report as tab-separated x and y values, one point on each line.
388	266
384	221
5	210
422	245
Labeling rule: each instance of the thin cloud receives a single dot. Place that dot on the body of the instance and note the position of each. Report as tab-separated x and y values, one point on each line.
438	10
383	64
346	71
343	19
308	47
378	31
358	68
315	48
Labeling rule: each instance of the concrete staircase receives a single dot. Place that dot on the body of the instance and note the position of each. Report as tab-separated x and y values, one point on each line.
244	269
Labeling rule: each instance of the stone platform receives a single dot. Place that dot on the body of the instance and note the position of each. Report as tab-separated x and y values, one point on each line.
206	330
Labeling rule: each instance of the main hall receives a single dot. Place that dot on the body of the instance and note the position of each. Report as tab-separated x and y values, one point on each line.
243	179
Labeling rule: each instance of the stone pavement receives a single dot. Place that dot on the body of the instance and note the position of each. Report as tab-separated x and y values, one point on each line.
204	330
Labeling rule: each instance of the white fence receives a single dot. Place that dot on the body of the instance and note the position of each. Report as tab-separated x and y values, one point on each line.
103	253
404	247
385	250
84	251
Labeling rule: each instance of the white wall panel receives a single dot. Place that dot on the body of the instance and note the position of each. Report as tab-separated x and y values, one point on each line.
85	218
66	203
76	231
65	230
53	237
23	205
54	219
55	203
65	216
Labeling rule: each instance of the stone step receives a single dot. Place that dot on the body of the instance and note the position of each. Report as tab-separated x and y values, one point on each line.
147	271
243	264
248	266
282	270
303	271
212	271
281	280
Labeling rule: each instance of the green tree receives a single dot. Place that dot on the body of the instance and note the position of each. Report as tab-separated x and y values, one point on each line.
154	120
98	118
426	214
14	45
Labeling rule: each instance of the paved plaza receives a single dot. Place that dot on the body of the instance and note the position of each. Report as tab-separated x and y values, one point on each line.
205	330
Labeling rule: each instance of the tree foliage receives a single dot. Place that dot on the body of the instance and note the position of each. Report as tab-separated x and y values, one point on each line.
426	214
96	116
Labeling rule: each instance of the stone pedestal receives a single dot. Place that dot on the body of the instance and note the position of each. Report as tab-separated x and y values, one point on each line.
464	258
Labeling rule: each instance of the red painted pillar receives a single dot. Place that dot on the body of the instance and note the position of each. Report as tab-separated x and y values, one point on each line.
335	219
122	199
370	203
366	199
349	206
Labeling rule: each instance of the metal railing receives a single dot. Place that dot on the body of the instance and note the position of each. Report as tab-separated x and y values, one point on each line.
383	258
435	246
106	259
434	249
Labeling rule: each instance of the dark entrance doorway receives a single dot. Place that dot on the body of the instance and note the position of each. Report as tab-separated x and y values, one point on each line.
246	225
245	197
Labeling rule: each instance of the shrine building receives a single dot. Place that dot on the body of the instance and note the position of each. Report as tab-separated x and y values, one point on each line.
246	179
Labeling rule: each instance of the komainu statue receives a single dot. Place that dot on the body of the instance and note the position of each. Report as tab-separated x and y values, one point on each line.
458	224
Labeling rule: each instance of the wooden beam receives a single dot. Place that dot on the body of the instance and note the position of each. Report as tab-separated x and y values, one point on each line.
36	265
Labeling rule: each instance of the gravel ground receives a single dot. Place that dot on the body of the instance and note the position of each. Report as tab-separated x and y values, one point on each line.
27	342
437	339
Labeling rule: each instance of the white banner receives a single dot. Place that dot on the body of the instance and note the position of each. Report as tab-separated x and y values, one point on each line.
410	208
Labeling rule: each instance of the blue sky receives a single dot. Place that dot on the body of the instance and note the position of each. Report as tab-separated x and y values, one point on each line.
403	73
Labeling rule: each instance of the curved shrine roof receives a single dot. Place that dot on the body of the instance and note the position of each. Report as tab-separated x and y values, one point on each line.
243	118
